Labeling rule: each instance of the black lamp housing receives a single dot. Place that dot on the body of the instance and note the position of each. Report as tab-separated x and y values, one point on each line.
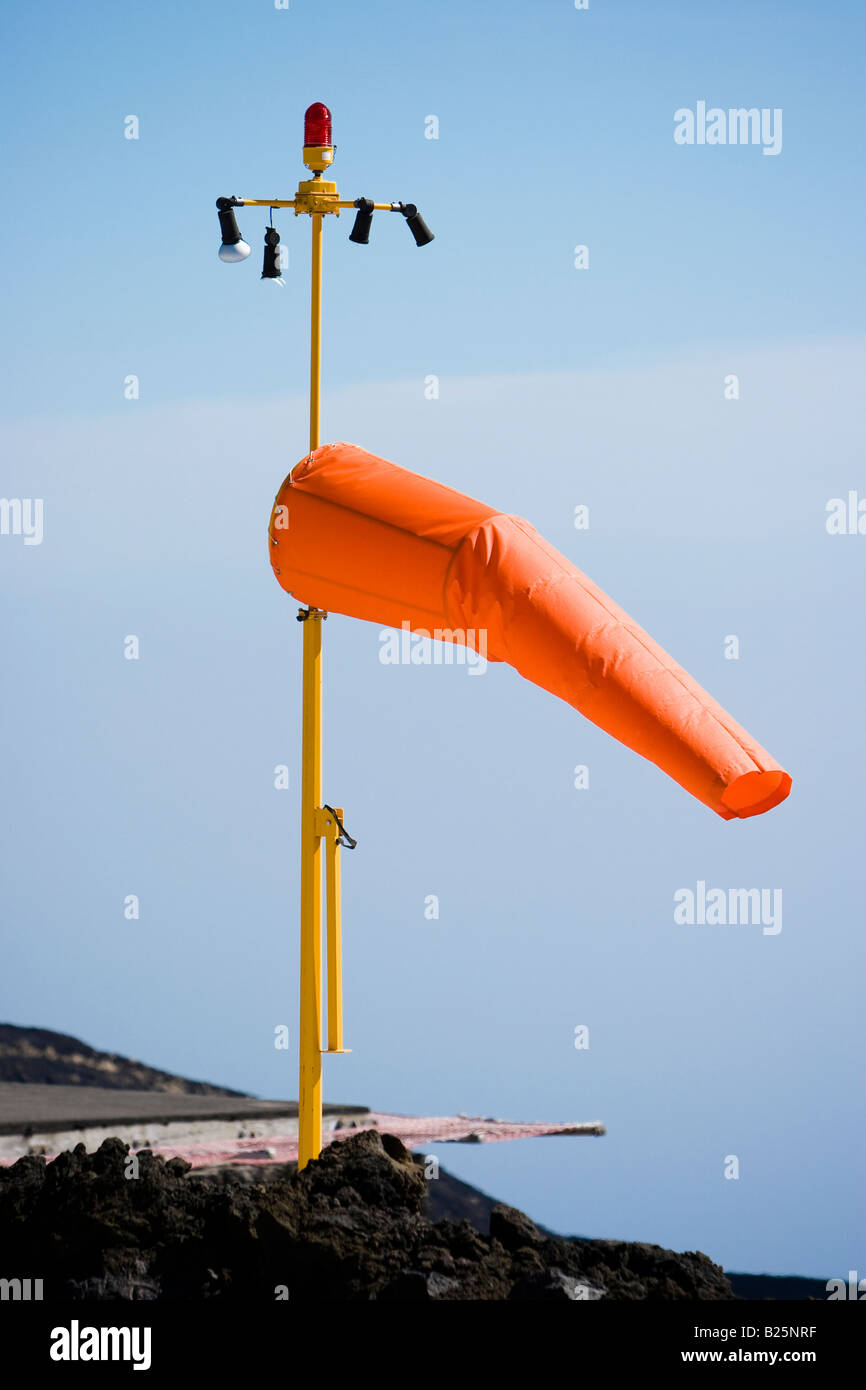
360	232
229	229
271	269
417	226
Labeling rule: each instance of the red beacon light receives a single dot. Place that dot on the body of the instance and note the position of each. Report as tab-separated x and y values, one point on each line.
318	146
317	124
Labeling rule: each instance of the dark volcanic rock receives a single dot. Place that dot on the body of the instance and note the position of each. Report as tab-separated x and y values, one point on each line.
513	1229
349	1227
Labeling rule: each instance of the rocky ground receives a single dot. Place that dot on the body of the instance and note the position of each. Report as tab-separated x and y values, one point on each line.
351	1226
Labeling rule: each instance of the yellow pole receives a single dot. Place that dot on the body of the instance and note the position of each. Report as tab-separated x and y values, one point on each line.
310	1030
335	948
316	330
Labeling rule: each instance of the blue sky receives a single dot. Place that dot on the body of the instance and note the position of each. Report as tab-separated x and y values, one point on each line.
557	387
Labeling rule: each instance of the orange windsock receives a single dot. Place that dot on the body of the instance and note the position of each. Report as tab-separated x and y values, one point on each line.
351	533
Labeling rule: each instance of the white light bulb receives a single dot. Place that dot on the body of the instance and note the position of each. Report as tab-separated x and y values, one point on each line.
236	252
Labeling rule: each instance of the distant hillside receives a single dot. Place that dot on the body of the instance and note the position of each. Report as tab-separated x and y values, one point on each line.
40	1057
450	1199
781	1286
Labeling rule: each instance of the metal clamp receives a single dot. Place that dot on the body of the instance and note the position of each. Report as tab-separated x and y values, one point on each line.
343	837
